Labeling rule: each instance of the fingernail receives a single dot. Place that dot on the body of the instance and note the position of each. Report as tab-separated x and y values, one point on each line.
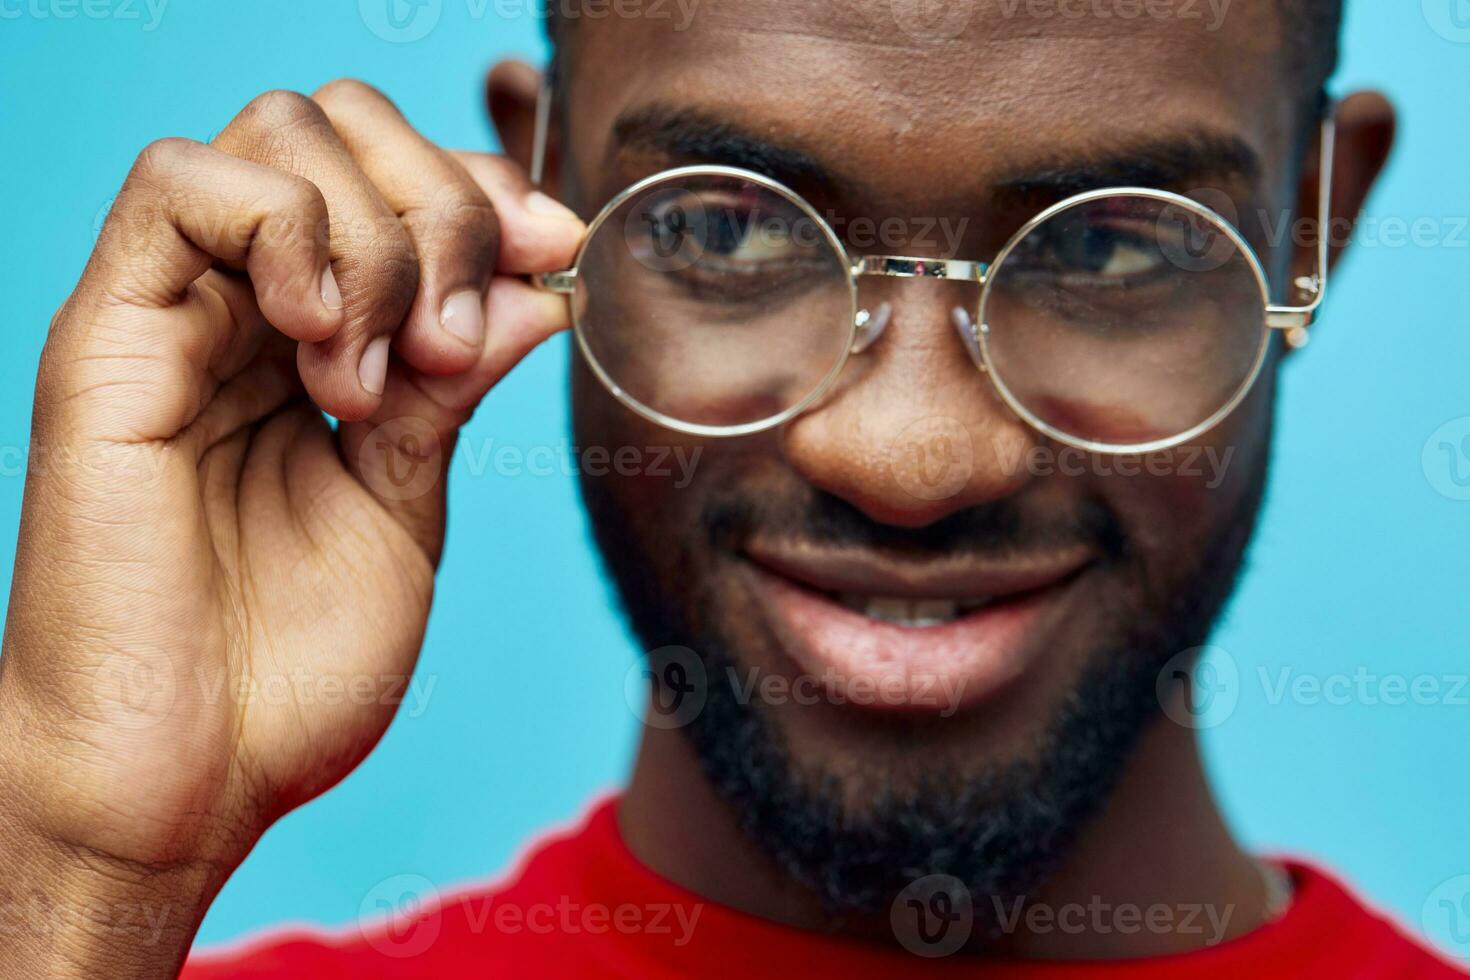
462	317
539	203
372	370
331	295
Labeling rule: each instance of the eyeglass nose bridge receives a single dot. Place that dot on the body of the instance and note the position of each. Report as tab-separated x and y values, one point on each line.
907	267
871	323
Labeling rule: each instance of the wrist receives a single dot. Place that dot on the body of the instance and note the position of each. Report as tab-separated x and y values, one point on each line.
69	912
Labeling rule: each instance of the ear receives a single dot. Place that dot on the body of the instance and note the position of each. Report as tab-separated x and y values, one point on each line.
511	90
1365	133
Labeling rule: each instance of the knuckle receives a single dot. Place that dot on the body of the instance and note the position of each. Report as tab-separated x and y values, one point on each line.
165	156
279	109
349	91
157	182
273	129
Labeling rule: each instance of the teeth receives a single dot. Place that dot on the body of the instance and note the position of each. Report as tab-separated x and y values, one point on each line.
931	612
910	612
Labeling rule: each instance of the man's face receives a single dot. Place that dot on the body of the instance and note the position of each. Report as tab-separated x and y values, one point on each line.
1037	592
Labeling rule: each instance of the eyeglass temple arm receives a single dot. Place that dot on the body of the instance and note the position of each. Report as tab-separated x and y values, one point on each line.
543	126
1296	319
565	280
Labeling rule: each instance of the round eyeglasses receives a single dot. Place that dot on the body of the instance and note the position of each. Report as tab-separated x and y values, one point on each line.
715	301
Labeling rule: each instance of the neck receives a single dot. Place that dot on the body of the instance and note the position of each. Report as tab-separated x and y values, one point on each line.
1155	873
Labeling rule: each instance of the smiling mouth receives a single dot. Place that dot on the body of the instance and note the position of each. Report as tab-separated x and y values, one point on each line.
963	624
916	595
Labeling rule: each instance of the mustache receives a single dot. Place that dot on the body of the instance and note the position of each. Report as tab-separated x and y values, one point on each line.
1000	527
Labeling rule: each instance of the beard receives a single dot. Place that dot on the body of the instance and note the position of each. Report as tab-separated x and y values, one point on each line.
859	839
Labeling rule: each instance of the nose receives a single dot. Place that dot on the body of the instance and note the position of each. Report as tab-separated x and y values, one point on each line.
913	431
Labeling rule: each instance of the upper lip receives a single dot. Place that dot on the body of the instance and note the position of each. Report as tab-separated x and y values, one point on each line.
961	576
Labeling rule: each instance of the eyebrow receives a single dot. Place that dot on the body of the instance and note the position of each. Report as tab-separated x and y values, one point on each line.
690	135
1165	162
1168	161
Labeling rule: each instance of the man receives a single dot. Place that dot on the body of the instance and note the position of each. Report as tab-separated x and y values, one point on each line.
1025	798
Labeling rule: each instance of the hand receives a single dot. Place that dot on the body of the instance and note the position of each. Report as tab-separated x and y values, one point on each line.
198	545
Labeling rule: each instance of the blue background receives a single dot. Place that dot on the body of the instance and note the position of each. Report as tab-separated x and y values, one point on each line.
1361	562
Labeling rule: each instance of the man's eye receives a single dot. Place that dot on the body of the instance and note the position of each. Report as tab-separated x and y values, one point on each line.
1101	254
750	237
1122	255
724	233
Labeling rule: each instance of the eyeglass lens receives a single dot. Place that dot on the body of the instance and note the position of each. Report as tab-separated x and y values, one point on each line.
1121	320
1124	320
714	301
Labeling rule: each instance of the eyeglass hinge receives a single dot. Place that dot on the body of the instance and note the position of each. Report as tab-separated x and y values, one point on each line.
1294	321
564	281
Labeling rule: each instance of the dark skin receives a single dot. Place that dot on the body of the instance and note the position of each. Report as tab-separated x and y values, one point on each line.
193	524
782	81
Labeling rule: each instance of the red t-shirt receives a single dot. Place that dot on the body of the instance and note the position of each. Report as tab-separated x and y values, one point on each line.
582	906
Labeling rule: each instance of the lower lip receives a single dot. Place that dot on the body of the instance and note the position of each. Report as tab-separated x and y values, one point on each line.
885	666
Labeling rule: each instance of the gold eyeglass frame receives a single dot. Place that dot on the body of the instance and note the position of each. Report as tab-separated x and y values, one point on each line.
1292	321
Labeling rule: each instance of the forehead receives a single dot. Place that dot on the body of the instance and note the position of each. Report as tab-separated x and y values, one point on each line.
943	85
